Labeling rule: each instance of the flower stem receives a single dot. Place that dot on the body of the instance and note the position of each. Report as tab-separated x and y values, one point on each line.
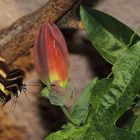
69	116
109	75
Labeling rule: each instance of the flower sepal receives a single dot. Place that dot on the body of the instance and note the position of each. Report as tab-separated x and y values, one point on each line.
45	92
59	96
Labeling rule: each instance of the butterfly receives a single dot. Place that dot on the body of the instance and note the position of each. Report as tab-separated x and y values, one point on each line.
11	82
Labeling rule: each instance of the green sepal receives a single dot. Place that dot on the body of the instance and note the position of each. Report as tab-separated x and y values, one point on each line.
45	92
61	96
59	99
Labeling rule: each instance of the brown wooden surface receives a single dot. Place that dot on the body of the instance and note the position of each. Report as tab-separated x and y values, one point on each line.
18	38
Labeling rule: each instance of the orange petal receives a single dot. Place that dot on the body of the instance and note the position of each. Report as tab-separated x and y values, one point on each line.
51	55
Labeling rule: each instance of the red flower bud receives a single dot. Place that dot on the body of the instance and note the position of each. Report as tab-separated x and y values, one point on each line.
51	55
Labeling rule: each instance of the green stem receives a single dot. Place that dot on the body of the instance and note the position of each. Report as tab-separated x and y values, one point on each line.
69	116
109	75
131	39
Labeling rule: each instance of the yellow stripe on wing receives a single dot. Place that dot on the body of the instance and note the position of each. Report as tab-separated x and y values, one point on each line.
15	78
2	73
3	89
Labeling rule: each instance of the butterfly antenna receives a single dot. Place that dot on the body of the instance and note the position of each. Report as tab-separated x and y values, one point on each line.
12	103
24	89
33	85
26	96
15	102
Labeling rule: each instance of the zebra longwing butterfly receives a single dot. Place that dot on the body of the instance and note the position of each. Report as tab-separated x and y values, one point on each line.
11	82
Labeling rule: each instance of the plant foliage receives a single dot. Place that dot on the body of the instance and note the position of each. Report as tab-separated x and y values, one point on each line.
104	101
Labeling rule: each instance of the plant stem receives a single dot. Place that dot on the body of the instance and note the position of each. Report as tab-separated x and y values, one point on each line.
69	116
131	39
109	75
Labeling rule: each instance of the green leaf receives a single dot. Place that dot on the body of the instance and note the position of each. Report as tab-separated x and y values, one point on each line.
136	126
98	91
117	99
75	134
70	134
81	107
108	35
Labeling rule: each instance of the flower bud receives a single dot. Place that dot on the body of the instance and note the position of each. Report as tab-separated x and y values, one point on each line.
51	55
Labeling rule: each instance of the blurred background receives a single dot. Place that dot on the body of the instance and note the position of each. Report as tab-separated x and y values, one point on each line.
35	119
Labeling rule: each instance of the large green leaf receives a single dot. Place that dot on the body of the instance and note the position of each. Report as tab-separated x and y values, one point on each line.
108	35
120	96
81	107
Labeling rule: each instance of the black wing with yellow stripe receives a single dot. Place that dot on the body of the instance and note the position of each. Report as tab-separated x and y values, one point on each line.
11	82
